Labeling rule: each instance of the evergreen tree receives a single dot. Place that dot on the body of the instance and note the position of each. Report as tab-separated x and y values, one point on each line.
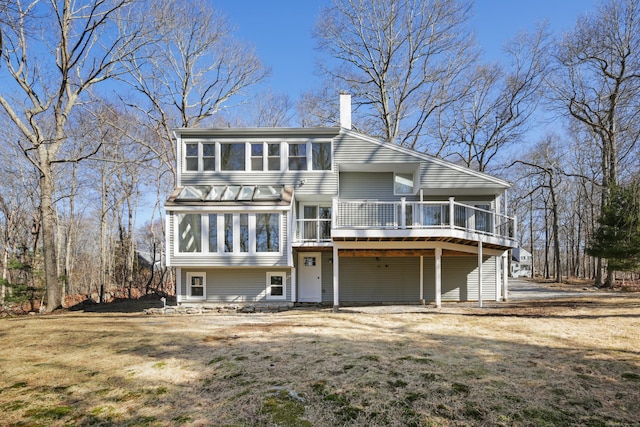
618	236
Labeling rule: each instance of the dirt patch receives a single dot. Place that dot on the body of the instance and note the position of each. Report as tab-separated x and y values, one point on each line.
528	363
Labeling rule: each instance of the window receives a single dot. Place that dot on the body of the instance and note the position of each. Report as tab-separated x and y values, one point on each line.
316	223
189	229
213	232
232	156
228	232
196	285
257	160
276	285
321	155
298	157
244	232
257	156
403	183
267	232
209	157
273	157
191	157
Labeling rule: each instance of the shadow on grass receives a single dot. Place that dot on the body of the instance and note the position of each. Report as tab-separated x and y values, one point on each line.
124	305
323	369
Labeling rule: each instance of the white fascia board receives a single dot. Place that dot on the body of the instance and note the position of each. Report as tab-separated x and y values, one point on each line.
228	208
416	245
427	157
260	133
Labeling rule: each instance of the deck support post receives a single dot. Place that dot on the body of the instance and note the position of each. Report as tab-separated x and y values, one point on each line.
505	277
294	286
336	283
438	269
480	273
421	279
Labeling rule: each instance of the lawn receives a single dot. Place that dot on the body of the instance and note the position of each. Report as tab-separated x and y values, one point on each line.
553	363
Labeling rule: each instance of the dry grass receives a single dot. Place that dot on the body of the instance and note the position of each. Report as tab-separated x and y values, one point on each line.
554	363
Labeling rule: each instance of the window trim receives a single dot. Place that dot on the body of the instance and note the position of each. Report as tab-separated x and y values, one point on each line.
220	225
271	274
189	276
283	157
414	190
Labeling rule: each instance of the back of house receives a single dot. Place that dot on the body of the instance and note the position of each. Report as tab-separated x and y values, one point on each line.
329	215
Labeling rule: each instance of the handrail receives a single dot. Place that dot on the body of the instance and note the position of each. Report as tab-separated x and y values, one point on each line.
421	215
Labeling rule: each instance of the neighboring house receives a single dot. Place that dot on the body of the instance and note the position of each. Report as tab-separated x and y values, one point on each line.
521	262
329	215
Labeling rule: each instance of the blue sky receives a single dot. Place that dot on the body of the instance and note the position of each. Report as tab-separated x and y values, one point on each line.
281	30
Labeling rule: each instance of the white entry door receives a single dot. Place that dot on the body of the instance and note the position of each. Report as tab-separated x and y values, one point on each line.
310	277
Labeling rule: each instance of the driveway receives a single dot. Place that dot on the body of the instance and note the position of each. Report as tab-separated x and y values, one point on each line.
522	290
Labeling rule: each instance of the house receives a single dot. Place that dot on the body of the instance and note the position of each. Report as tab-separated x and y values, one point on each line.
329	215
521	261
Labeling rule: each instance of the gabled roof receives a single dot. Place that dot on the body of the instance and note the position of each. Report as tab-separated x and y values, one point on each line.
427	157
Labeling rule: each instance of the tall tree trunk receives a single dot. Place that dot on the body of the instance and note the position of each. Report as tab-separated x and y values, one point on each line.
54	294
556	230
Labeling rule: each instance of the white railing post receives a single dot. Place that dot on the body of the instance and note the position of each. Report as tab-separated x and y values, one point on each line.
451	212
403	213
515	227
334	212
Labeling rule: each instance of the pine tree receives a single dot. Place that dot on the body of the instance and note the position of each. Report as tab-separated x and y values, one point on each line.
618	236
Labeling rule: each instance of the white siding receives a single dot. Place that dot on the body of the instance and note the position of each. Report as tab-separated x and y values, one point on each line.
385	279
233	285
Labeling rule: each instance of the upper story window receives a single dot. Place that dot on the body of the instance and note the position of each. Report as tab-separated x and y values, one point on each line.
321	155
298	157
191	156
209	157
273	156
257	156
232	156
403	183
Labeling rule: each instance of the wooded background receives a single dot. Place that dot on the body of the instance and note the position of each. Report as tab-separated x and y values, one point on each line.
92	89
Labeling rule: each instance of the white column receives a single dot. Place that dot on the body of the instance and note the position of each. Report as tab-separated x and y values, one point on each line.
178	285
294	286
336	283
479	273
421	279
438	269
505	277
498	284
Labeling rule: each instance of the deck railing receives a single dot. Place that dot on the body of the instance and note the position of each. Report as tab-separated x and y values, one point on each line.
405	215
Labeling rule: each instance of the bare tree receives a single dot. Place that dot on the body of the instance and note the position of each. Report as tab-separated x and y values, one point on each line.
598	79
48	76
598	82
496	111
191	69
400	59
265	109
544	164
